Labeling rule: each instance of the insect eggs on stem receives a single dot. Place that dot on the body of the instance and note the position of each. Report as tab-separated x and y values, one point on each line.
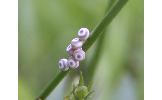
76	43
74	50
83	34
63	64
79	55
73	63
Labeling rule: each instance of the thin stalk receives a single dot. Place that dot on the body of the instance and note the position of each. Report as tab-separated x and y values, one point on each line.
94	61
95	34
52	85
81	80
104	22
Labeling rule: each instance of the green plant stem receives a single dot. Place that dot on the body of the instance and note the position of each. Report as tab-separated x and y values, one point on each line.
94	61
104	22
81	80
52	85
95	34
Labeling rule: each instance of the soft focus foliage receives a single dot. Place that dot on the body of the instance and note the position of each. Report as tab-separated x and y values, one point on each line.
46	27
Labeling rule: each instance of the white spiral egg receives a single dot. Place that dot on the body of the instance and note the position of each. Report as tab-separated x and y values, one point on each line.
83	34
79	55
76	43
72	63
69	50
63	64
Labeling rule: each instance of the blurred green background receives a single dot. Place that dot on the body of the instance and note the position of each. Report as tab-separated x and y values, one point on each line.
47	26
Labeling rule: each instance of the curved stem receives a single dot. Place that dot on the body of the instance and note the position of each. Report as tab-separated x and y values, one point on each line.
95	34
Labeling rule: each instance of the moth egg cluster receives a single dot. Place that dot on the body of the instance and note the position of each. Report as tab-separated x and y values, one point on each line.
75	51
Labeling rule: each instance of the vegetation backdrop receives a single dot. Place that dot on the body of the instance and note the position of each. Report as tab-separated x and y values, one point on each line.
47	26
